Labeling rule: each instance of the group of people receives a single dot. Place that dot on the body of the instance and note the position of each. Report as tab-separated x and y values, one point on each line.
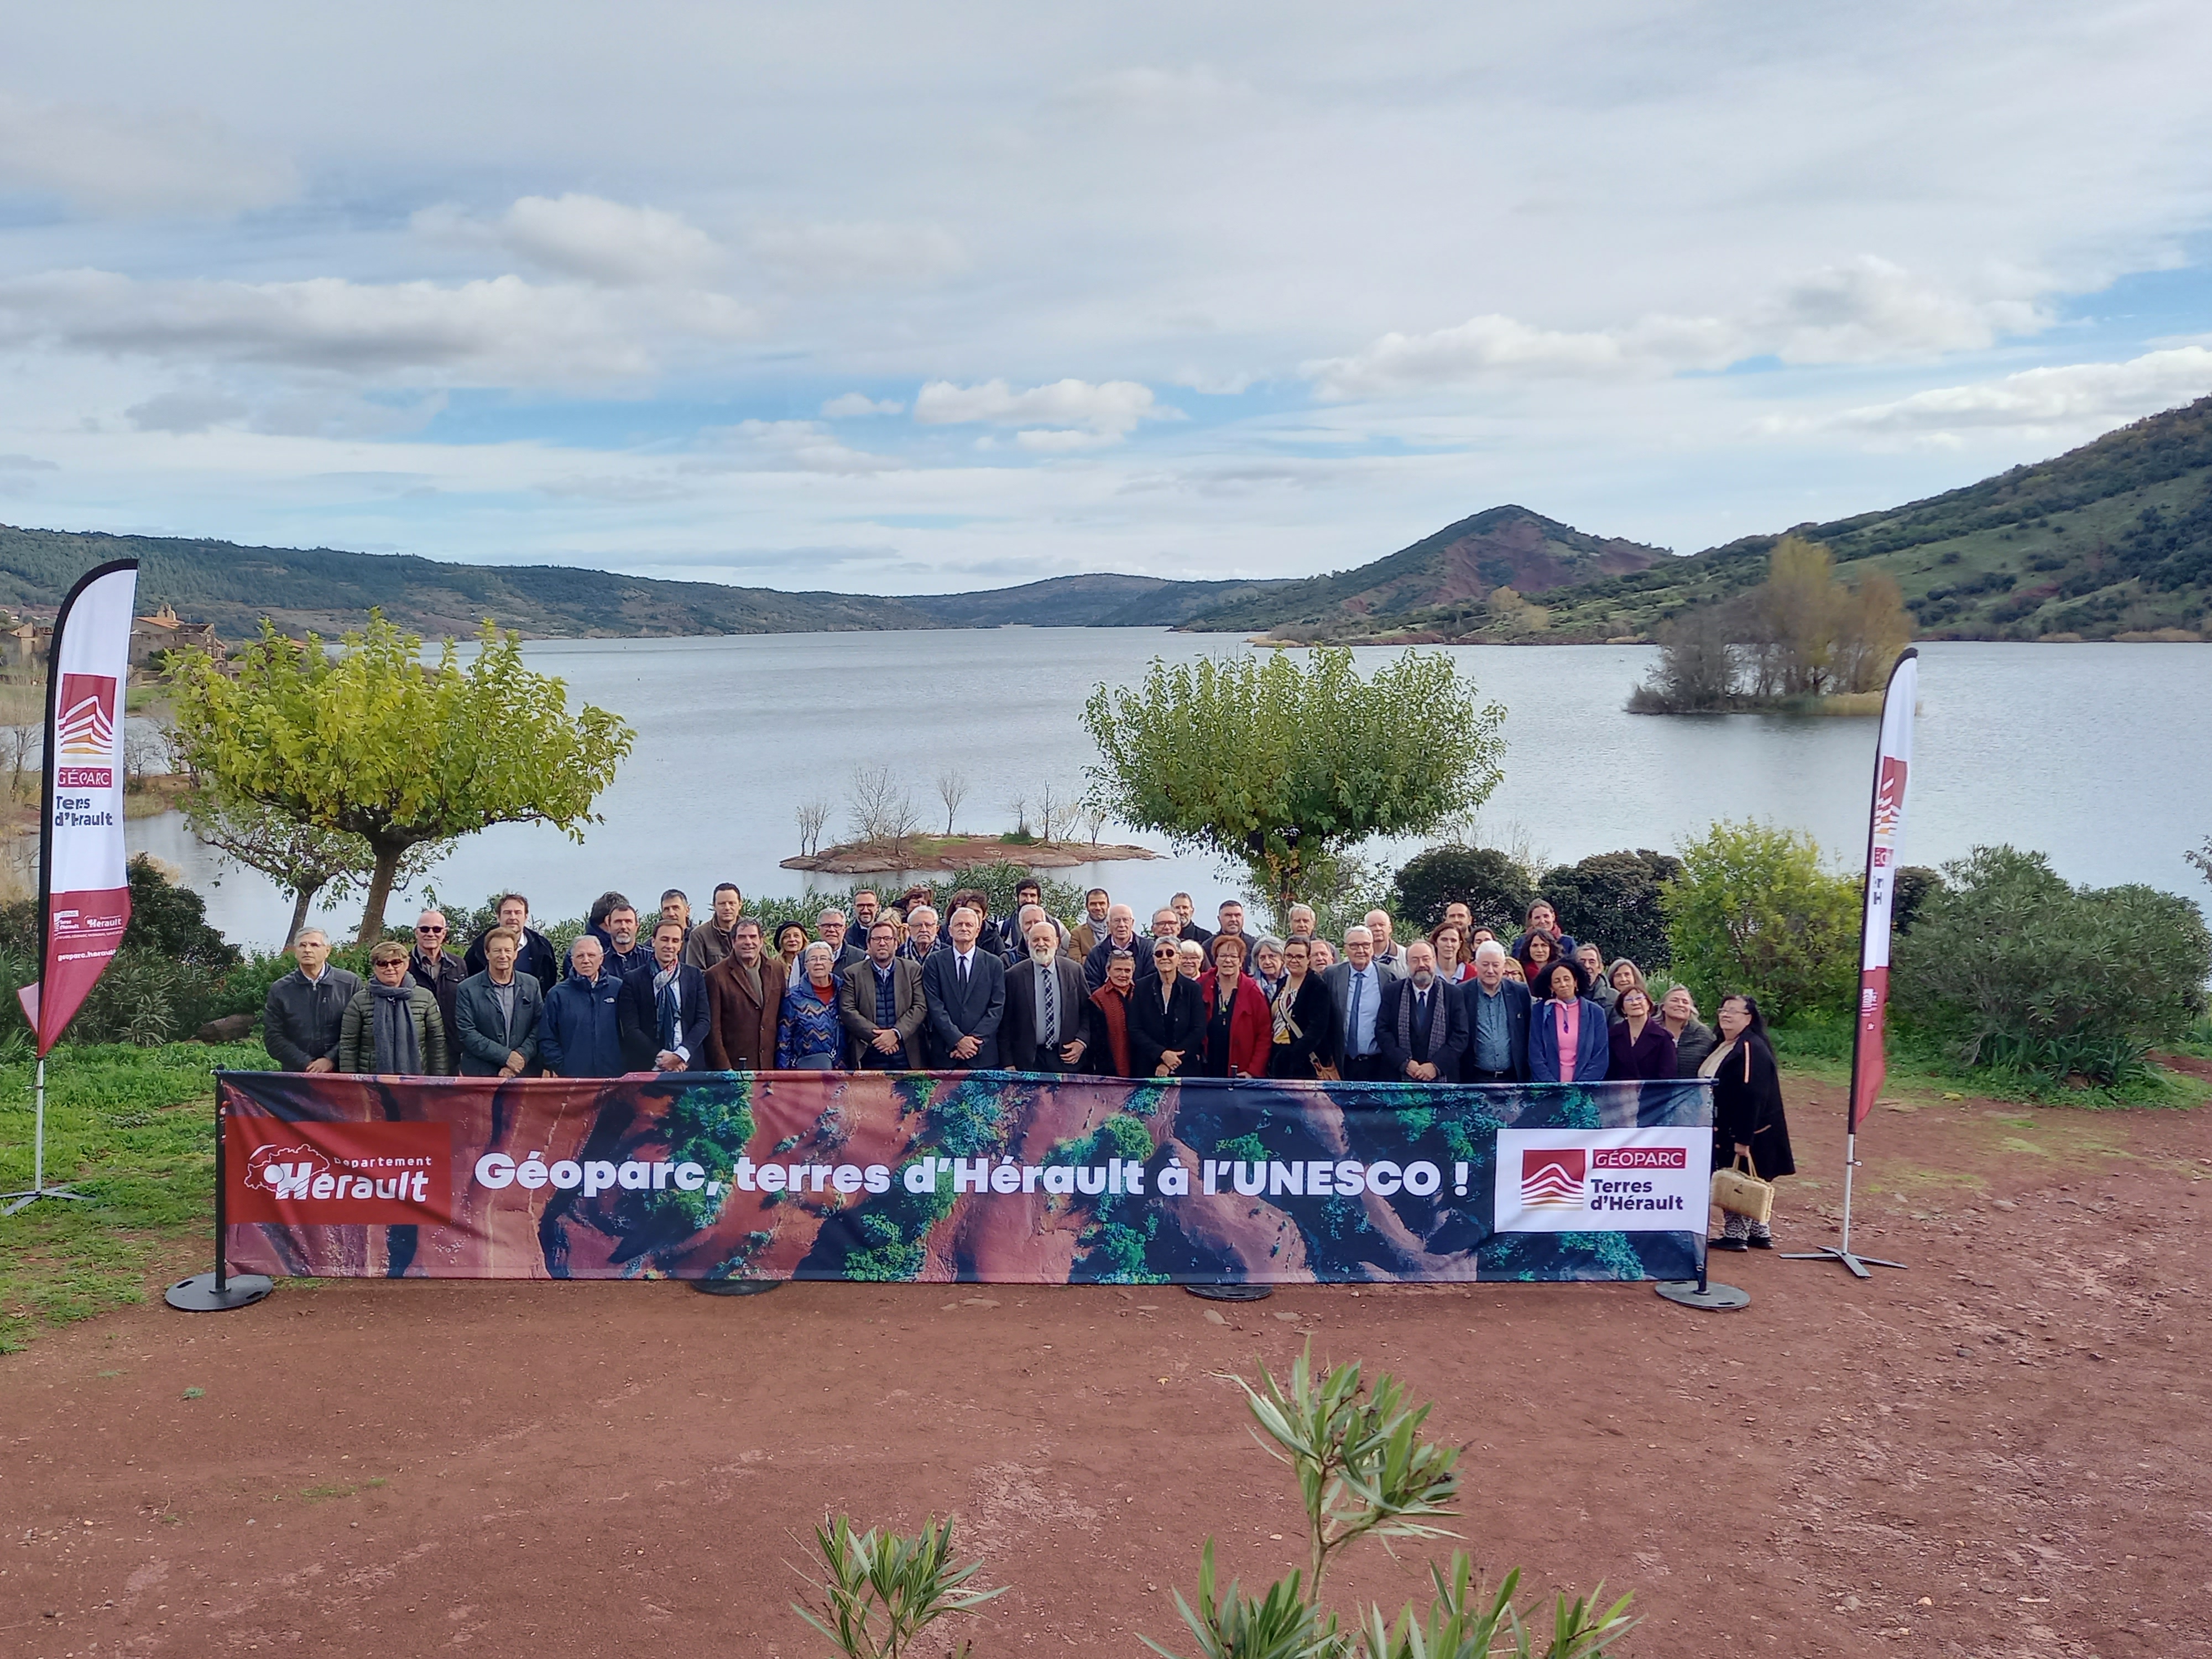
898	986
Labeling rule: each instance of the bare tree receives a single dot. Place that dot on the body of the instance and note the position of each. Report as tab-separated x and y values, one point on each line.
1049	813
22	730
1093	820
1021	815
951	789
882	807
812	813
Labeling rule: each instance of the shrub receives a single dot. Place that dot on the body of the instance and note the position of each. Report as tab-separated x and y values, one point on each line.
1915	884
1612	900
2027	974
1753	911
1488	882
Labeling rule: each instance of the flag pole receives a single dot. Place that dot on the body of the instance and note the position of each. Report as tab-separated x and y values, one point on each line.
94	940
1885	823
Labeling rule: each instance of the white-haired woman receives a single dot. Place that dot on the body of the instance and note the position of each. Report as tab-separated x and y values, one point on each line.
808	1037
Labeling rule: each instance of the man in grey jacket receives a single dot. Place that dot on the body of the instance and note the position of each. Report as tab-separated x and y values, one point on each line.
495	1013
300	1019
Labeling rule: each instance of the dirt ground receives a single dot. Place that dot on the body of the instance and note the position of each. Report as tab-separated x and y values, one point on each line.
2000	1451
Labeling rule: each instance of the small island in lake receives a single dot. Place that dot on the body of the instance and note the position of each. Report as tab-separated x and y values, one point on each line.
874	858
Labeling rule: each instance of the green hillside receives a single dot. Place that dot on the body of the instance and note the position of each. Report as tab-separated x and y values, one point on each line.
1449	575
2112	540
329	590
1102	601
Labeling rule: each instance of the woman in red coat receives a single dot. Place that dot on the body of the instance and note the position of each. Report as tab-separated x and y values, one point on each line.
1239	1028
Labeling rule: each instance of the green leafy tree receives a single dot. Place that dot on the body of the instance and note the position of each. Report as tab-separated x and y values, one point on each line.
1283	767
1754	911
375	742
1491	885
1613	901
2028	975
303	860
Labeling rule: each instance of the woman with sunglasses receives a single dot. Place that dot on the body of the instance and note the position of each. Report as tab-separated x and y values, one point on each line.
1167	1017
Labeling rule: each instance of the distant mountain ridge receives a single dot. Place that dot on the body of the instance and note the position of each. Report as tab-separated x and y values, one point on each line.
2113	540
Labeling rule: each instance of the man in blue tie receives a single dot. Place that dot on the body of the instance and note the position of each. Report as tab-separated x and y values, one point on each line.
1356	983
966	989
664	1010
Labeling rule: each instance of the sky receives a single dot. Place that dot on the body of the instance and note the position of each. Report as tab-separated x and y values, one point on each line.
895	298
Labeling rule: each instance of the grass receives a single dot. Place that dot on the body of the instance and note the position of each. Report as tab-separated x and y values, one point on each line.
134	1129
1916	1060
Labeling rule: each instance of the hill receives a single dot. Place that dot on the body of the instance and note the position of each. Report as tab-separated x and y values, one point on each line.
2113	540
1101	601
1450	574
329	590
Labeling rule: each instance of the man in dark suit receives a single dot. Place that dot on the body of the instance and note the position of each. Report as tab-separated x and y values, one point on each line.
1121	934
966	989
1048	1005
664	1019
1009	939
1357	984
495	1013
744	999
1495	1012
1185	909
881	1005
429	967
536	958
1419	1026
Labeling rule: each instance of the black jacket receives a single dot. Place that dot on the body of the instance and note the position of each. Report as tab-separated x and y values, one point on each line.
537	958
640	1023
481	1039
1017	1035
1441	1045
300	1021
1313	1011
441	985
1179	1024
978	1014
1748	1110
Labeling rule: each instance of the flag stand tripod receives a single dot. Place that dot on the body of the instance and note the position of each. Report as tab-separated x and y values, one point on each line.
38	1188
1841	1251
223	1289
1702	1292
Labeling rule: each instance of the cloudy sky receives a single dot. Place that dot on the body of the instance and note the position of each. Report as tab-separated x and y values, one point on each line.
905	299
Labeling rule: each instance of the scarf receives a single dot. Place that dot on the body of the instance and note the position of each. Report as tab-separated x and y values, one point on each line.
1114	1006
398	1052
1406	1016
1286	1029
1711	1065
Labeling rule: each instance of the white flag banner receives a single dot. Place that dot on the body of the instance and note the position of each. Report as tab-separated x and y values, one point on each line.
1892	764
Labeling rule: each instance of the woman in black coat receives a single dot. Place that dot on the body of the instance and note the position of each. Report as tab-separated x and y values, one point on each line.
1747	1114
1167	1017
1303	1014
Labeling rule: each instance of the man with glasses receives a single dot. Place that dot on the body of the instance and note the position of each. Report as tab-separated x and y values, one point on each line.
429	967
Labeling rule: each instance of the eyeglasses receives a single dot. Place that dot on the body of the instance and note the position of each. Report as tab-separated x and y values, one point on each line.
424	927
1165	956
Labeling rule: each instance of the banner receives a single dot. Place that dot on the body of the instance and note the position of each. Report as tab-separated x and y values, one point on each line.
1893	761
984	1176
84	896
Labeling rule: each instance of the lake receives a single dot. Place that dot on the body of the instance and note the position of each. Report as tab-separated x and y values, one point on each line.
2097	754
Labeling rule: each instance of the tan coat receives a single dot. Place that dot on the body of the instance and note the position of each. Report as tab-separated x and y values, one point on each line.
856	1006
740	1032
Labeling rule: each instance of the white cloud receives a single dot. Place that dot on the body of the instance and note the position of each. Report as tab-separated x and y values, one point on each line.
2036	399
781	446
850	254
611	243
1870	311
1081	412
854	403
108	162
1059	440
1484	347
502	330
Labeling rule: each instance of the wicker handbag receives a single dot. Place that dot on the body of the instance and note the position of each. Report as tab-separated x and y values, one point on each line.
1739	1190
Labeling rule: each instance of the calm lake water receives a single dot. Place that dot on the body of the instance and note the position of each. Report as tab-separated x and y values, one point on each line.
2098	755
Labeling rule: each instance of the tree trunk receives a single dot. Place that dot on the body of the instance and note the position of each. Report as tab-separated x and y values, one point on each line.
303	900
380	890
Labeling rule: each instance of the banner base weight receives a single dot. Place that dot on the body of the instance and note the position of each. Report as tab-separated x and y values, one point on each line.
736	1286
1857	1264
199	1293
1704	1293
1232	1292
25	1199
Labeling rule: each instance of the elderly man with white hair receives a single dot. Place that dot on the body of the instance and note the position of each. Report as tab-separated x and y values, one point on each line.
1355	987
303	1012
1496	1021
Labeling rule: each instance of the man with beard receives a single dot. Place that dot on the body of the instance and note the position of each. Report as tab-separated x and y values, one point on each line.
1419	1025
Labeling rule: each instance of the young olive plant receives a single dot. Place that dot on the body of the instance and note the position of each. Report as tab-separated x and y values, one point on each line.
881	1590
1364	1471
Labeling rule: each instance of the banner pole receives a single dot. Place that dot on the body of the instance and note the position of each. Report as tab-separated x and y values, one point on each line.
219	1292
38	1188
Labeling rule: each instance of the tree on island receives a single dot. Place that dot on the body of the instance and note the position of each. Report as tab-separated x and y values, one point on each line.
1285	767
372	741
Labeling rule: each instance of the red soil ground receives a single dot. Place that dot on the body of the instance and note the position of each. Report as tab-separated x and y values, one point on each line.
2001	1451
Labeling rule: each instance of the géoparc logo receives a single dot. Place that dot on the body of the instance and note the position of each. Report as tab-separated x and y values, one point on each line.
1553	1181
84	733
307	1174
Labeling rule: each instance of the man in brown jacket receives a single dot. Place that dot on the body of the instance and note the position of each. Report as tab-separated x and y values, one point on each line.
744	997
883	983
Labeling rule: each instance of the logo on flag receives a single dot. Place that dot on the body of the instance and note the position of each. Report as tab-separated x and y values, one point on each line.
1888	799
84	730
1552	1177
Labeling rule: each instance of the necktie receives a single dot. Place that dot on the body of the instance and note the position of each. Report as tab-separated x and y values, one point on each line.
963	977
1049	1026
670	1012
1351	1019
